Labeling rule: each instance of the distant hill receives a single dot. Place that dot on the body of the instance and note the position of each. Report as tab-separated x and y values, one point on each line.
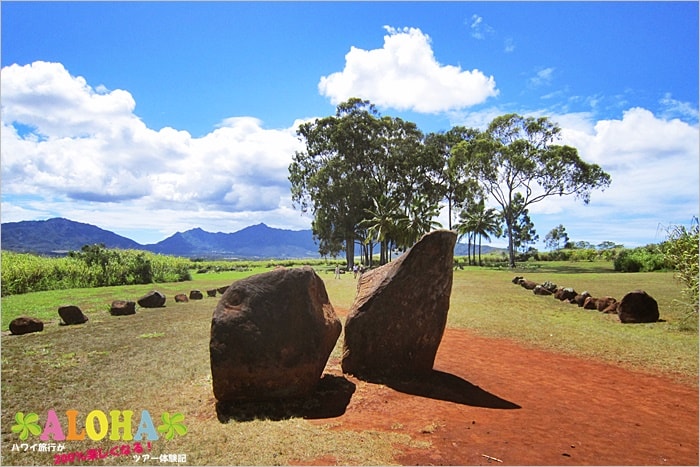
58	236
256	241
461	249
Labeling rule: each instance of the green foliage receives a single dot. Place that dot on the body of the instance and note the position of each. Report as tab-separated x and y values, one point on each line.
681	251
93	266
643	259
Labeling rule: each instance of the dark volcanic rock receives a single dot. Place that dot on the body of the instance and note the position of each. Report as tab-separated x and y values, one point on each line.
122	308
271	335
26	325
181	298
539	290
397	320
638	307
196	295
71	314
152	299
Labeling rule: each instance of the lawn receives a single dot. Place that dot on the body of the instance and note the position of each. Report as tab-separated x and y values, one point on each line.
158	361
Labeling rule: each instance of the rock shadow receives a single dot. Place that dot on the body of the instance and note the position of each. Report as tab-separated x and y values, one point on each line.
447	387
330	399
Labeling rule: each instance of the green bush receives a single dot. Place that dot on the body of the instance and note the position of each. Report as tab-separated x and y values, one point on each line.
92	266
681	250
643	259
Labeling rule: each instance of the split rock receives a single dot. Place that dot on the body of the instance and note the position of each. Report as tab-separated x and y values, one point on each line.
71	314
638	307
271	336
26	325
397	320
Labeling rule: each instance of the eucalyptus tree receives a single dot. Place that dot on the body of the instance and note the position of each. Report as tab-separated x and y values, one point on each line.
556	238
517	156
331	177
455	182
351	160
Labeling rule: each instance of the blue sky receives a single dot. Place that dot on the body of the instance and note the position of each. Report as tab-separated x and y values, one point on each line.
151	118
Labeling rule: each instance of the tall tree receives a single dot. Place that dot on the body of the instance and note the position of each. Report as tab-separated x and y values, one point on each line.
455	182
353	160
332	176
556	238
516	156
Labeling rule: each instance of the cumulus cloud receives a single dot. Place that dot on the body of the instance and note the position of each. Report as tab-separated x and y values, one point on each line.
65	139
405	75
654	165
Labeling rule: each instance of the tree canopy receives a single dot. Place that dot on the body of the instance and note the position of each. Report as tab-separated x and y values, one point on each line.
371	178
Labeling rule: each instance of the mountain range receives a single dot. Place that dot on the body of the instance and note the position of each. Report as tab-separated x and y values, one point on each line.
58	236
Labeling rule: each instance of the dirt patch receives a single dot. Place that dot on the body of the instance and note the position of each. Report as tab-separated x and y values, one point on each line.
492	400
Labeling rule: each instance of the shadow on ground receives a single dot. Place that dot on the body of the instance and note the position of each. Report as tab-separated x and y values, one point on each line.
330	399
447	387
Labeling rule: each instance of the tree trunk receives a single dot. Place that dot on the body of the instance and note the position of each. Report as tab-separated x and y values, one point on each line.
480	250
350	251
511	247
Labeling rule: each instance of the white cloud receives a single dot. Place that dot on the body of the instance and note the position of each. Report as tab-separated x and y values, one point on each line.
405	75
654	163
675	108
542	77
81	144
654	166
479	28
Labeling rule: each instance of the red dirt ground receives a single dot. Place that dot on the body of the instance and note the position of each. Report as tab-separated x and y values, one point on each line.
497	398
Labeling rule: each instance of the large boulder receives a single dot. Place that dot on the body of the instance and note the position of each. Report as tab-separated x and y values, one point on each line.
271	336
152	299
72	314
397	320
26	325
122	308
638	307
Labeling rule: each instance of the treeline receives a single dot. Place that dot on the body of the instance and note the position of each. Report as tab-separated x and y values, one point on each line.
92	266
373	179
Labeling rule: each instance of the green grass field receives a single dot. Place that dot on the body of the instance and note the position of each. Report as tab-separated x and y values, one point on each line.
158	359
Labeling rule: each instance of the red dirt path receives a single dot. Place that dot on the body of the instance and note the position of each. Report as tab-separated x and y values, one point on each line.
523	406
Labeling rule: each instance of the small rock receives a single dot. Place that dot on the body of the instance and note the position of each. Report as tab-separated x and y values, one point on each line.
152	299
122	308
26	325
196	295
71	314
181	298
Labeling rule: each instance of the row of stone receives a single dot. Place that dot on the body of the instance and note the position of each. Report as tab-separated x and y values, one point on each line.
72	314
635	307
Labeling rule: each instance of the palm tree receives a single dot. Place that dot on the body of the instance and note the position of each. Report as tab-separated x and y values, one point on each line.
418	220
383	224
479	222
